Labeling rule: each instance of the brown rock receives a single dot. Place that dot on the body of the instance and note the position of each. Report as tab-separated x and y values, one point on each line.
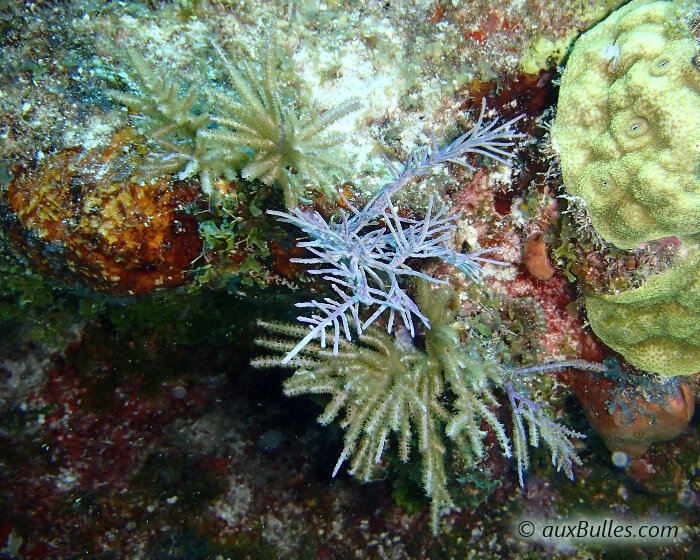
633	425
83	218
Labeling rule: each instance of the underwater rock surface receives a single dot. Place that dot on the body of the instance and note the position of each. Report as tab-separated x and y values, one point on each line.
83	219
146	152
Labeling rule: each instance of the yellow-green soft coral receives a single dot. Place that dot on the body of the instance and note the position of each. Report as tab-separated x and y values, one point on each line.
656	327
628	124
287	149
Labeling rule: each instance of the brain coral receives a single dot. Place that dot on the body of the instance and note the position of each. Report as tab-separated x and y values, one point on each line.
628	124
656	327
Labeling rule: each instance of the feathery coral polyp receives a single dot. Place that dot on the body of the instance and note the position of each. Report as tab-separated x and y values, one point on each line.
366	255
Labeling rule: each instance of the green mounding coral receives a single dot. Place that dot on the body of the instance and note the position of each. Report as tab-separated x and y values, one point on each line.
628	132
288	149
656	327
628	124
426	399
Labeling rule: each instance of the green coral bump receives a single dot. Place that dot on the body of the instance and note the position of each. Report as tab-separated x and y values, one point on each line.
628	124
656	327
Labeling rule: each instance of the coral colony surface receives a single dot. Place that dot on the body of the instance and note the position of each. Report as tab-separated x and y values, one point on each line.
403	279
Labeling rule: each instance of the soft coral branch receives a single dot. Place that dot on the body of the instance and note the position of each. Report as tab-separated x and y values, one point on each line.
365	256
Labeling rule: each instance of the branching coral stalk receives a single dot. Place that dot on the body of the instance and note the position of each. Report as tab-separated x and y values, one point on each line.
174	118
249	130
392	397
557	437
381	390
366	254
490	140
